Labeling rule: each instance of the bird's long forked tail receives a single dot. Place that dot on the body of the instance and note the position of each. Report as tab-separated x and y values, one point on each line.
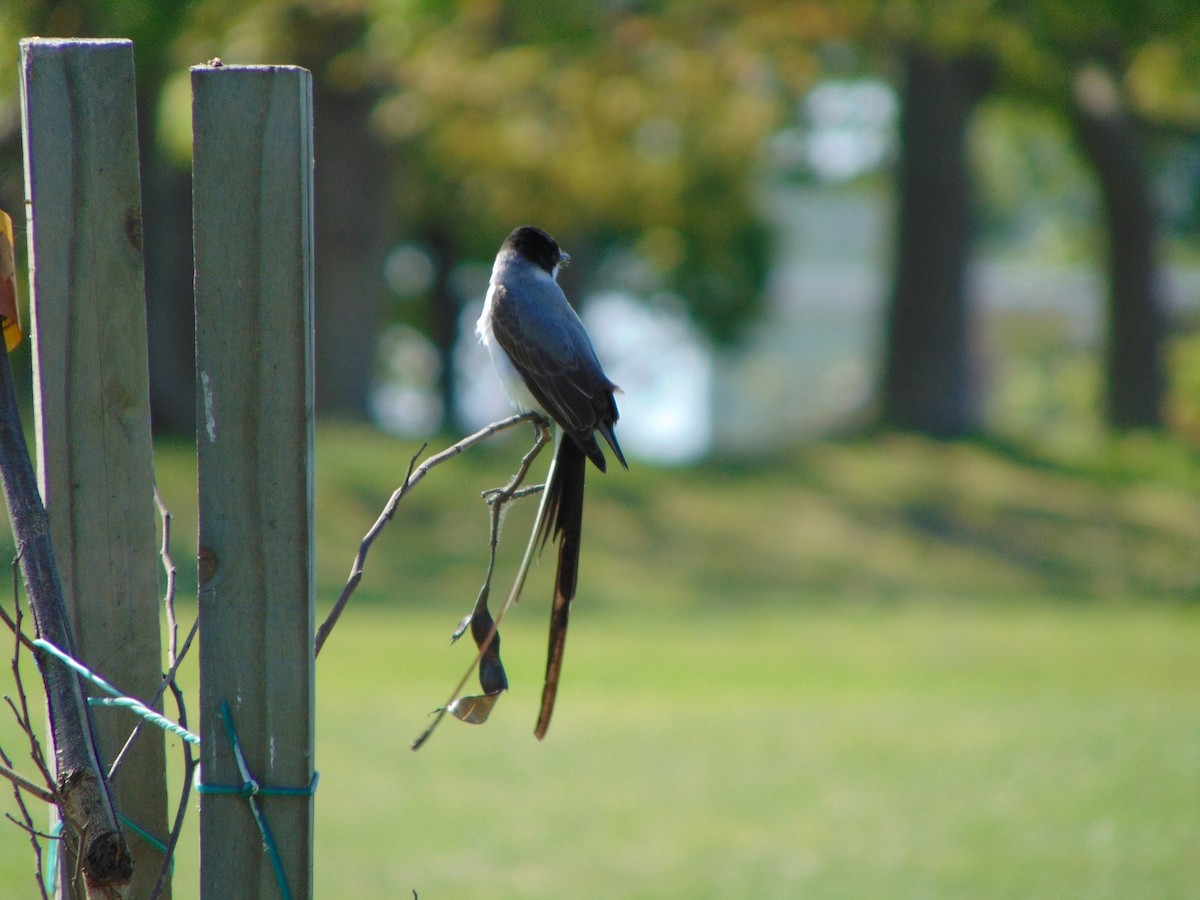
562	519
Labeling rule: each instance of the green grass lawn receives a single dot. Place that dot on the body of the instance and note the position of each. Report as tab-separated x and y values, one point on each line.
886	668
922	750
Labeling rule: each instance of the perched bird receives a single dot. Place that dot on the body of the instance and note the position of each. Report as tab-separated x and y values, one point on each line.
547	364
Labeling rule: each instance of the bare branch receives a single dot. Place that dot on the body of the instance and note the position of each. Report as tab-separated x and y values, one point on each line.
22	715
31	829
22	638
486	636
168	567
411	479
174	658
189	769
35	836
49	792
81	783
22	782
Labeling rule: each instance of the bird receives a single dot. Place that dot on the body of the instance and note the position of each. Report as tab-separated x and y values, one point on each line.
547	364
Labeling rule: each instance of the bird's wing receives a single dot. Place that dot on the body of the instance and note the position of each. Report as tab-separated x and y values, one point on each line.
555	359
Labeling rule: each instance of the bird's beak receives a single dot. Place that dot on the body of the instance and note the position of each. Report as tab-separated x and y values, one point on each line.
563	258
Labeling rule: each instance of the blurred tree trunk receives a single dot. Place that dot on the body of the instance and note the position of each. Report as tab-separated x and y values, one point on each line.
443	312
351	195
929	379
170	316
1135	380
351	201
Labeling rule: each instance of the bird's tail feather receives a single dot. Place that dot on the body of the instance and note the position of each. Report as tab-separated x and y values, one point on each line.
606	429
562	519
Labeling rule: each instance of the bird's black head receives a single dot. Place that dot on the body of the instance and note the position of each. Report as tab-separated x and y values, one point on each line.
537	247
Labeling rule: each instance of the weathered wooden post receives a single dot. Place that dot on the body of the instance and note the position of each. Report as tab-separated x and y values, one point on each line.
252	206
91	396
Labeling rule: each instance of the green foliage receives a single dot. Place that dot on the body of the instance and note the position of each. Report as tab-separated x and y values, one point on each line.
1037	196
634	130
1183	403
1153	47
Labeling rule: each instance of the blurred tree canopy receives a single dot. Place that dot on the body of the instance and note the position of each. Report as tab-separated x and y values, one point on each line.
1116	71
634	131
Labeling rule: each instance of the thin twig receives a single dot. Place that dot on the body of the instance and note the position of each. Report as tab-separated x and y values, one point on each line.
168	564
20	781
22	638
26	822
105	852
175	656
49	793
14	625
167	680
36	754
411	479
35	837
24	719
32	830
496	498
174	659
189	768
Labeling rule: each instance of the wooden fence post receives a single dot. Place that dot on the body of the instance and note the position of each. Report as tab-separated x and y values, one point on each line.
253	221
91	395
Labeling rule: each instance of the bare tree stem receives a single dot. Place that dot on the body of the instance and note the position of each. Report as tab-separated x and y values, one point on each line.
411	479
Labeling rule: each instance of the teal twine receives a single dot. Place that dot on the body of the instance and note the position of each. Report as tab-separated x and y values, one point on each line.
251	790
119	699
50	873
145	836
138	708
151	840
254	789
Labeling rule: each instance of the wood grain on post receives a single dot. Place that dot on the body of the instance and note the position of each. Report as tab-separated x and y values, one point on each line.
253	223
91	394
